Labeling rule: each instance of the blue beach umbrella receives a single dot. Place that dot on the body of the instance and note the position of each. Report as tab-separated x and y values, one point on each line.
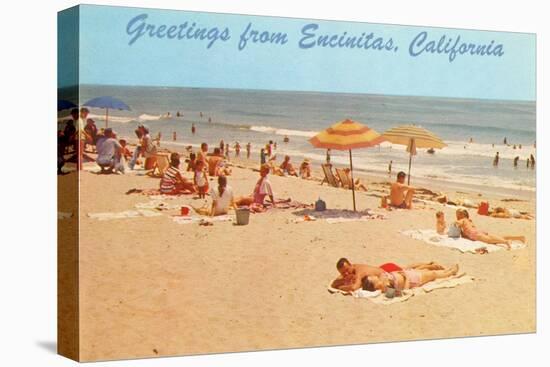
63	104
107	102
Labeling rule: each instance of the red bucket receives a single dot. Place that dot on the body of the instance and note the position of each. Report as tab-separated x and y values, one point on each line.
483	208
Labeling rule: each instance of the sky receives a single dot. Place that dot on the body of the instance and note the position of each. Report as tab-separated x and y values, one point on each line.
107	57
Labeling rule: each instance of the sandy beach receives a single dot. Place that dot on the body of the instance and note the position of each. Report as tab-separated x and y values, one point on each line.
150	286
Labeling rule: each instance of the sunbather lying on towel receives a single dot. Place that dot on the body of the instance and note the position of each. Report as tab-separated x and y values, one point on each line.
405	279
471	232
352	275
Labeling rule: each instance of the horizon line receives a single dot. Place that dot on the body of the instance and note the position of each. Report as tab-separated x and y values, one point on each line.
301	91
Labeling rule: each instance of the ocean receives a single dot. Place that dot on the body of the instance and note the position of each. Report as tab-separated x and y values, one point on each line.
257	116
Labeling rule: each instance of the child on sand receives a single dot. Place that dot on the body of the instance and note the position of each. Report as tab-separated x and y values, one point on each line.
440	224
192	162
125	152
200	179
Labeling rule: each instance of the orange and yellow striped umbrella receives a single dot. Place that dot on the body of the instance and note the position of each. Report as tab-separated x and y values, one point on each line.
346	135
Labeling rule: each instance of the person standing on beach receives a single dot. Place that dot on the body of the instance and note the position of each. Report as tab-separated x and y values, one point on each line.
201	155
193	128
389	167
200	179
90	129
328	156
248	149
174	136
148	149
532	159
227	151
137	151
222	145
505	141
516	159
237	149
495	161
263	157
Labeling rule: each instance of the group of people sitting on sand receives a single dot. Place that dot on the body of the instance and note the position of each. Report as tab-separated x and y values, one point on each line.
205	165
389	275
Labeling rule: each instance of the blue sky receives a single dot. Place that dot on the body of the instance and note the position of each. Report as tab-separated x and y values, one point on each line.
107	58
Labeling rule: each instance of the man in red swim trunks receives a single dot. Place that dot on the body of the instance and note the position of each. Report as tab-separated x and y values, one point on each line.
351	275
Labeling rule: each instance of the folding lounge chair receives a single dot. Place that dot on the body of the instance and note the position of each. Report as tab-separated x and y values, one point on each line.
329	176
344	177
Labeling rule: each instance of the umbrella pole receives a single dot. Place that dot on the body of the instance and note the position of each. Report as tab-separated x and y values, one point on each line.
352	180
106	117
409	175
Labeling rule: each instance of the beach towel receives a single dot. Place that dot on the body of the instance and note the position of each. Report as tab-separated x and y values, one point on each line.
188	219
379	298
158	205
154	193
462	244
125	214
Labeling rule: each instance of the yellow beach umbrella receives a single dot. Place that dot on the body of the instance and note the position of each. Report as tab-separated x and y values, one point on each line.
413	137
347	135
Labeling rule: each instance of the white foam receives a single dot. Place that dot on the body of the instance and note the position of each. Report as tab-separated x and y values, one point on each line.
147	117
119	119
277	131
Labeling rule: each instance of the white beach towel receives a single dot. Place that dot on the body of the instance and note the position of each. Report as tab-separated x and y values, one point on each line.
197	219
124	214
462	244
158	205
379	298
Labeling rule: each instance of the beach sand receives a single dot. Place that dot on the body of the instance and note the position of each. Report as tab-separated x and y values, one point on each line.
150	286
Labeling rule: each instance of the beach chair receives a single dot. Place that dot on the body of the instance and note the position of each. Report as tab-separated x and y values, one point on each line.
161	165
329	176
344	177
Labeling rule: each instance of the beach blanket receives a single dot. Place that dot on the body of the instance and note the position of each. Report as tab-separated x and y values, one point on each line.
188	219
379	298
157	205
462	244
154	193
125	214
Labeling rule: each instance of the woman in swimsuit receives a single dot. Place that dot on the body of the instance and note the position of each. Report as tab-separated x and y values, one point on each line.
406	279
469	231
